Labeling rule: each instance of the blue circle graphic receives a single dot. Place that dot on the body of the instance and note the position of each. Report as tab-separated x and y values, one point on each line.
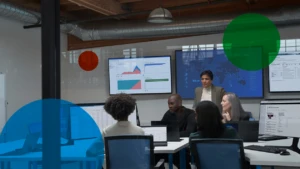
80	136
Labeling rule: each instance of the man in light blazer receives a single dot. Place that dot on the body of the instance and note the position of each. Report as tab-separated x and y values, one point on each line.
208	91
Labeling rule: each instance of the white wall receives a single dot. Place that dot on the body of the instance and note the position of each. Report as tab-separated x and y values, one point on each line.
20	60
87	87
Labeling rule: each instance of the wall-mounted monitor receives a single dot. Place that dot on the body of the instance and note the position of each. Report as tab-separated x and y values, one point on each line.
145	75
190	64
284	73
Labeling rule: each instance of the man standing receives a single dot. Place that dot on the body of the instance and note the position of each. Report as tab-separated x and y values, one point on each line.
208	91
181	116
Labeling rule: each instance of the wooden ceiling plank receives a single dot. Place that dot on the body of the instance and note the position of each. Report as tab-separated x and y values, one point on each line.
106	7
150	5
72	7
128	1
65	2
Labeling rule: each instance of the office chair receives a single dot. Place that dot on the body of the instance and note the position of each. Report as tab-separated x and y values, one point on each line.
130	151
250	116
218	153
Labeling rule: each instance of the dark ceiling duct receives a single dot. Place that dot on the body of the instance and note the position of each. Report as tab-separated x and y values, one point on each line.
142	29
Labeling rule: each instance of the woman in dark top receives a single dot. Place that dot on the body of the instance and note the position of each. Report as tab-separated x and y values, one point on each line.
209	122
232	109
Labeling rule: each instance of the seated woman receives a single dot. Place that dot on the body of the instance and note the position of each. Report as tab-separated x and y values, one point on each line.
119	106
209	122
232	109
210	125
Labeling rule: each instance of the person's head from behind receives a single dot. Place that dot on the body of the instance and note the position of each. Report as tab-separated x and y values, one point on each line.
206	78
231	104
120	106
174	102
209	119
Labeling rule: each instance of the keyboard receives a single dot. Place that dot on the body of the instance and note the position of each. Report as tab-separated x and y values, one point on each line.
266	149
269	138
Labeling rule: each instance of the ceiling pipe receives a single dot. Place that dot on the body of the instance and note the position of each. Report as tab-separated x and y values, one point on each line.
129	14
142	29
20	14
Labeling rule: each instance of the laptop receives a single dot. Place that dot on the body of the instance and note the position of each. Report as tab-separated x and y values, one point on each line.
173	133
247	130
159	134
28	146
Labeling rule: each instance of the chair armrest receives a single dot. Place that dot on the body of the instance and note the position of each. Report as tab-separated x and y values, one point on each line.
160	164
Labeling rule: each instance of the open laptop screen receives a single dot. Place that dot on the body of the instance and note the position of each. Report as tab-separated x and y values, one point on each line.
159	133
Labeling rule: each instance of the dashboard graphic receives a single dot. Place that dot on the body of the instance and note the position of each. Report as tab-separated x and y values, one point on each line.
145	75
190	64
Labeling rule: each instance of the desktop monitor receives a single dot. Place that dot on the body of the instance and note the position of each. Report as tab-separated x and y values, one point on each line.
281	118
247	130
98	114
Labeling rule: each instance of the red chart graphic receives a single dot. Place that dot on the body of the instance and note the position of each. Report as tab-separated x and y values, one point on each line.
88	60
136	70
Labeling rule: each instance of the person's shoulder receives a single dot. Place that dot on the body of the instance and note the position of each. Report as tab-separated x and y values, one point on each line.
198	89
137	129
218	87
189	112
107	130
230	132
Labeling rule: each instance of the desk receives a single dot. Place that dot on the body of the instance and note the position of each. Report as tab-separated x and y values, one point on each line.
269	159
76	152
174	147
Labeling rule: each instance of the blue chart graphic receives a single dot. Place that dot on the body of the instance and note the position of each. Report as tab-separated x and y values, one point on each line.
129	84
23	131
190	64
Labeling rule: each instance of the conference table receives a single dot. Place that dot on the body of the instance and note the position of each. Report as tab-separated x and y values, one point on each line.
260	159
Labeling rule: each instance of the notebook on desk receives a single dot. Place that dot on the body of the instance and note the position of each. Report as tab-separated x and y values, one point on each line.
28	146
159	134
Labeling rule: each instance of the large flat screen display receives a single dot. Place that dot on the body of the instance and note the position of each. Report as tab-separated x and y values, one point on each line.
145	75
190	64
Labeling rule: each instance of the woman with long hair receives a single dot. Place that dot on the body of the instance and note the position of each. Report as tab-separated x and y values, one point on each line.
232	108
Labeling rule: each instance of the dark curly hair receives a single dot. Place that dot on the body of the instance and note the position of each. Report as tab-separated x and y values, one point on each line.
120	106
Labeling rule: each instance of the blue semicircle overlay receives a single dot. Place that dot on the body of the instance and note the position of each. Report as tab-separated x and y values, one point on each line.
80	136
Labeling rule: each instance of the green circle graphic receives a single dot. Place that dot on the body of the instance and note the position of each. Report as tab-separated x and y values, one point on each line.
251	42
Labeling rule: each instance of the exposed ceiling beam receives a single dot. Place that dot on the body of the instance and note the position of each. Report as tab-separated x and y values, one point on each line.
65	2
72	7
35	6
150	5
74	43
105	7
128	1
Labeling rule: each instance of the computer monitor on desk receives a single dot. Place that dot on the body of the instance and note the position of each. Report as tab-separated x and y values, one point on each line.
281	118
247	130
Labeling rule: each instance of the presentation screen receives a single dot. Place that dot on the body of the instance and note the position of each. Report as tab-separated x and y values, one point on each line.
146	75
284	73
190	64
280	119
